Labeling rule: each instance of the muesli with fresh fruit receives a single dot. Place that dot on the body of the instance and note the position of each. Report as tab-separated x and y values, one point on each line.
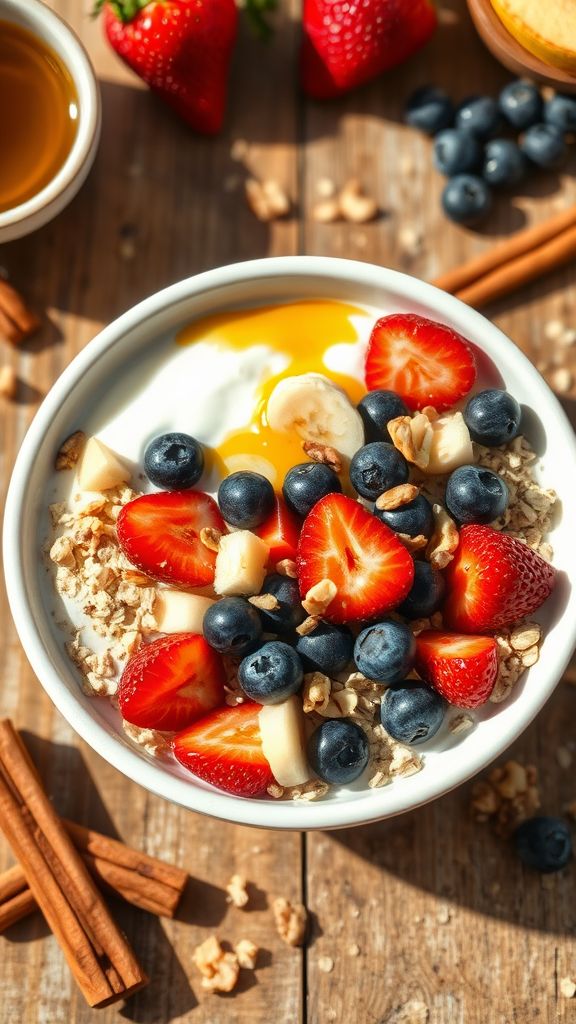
361	579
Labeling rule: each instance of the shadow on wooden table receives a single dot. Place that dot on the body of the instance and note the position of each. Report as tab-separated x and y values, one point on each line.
441	850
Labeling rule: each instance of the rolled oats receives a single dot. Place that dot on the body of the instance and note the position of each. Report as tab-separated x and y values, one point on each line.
152	740
291	921
460	722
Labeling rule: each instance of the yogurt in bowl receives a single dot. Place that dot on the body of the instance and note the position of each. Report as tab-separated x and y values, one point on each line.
205	357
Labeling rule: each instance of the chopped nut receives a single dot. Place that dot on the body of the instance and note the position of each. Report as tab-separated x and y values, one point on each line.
266	199
237	892
219	970
315	692
287	567
413	543
267	602
327	211
323	453
247	954
210	538
509	780
412	436
325	964
8	382
319	597
444	540
308	626
355	205
567	988
397	496
485	799
460	723
70	450
291	921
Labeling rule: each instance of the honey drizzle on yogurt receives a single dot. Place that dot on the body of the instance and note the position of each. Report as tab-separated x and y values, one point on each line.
303	332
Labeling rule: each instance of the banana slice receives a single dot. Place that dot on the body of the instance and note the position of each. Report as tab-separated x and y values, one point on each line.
283	744
451	444
240	564
176	611
317	410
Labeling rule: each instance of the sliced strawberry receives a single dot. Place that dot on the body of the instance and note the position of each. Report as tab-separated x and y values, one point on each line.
425	362
462	669
281	532
160	534
171	682
343	542
493	581
224	748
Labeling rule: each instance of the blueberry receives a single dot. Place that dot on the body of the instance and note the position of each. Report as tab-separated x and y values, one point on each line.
271	674
492	417
466	199
429	109
521	104
376	467
290	613
385	652
426	594
232	626
413	518
544	843
560	111
411	712
377	408
338	751
246	499
326	649
306	483
476	495
174	461
456	152
480	116
544	145
504	163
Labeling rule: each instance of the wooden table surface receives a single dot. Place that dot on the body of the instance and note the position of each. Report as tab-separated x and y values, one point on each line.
450	929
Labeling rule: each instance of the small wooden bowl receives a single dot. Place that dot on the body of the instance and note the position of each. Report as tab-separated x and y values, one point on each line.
511	53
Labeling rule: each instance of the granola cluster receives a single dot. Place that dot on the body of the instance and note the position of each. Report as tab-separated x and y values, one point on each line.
507	797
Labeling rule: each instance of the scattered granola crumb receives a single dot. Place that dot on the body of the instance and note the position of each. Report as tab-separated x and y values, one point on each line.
247	954
319	597
327	211
267	602
355	205
325	188
323	453
315	692
508	796
219	970
397	496
70	450
444	540
410	239
267	199
8	382
291	921
275	790
239	150
564	757
287	567
460	722
443	915
237	891
353	949
412	436
567	988
210	538
152	740
325	964
517	650
553	329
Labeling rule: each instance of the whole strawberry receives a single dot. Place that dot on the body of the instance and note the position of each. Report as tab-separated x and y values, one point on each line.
180	48
348	43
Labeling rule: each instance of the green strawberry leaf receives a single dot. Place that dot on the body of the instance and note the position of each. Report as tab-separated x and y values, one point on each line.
256	12
125	10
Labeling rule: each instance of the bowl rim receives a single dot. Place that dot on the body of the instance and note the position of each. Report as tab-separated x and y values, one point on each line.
51	28
152	776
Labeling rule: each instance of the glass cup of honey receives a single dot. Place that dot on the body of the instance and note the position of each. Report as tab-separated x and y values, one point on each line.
49	116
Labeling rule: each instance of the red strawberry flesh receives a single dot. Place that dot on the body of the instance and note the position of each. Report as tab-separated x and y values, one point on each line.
280	532
493	581
225	749
425	362
343	542
171	682
160	534
462	669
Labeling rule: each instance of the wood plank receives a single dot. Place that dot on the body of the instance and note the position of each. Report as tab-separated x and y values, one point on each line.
159	205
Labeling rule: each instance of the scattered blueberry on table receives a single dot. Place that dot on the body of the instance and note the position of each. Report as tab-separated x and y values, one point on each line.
544	843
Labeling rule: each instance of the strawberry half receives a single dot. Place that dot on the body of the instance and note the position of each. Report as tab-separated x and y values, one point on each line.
225	749
343	542
280	532
171	682
493	581
160	534
462	669
425	362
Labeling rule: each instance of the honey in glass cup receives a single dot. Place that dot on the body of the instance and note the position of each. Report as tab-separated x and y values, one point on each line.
38	114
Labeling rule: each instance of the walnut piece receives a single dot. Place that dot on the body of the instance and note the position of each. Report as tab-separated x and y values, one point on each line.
315	692
397	496
412	436
323	453
219	970
70	450
291	921
308	626
508	796
247	954
287	567
267	602
444	540
237	892
319	597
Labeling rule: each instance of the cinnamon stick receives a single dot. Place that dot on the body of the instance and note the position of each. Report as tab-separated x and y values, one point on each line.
518	245
520	271
16	320
98	955
146	882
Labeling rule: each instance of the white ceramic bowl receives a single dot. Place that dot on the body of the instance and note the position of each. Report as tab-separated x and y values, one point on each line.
42	22
128	340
